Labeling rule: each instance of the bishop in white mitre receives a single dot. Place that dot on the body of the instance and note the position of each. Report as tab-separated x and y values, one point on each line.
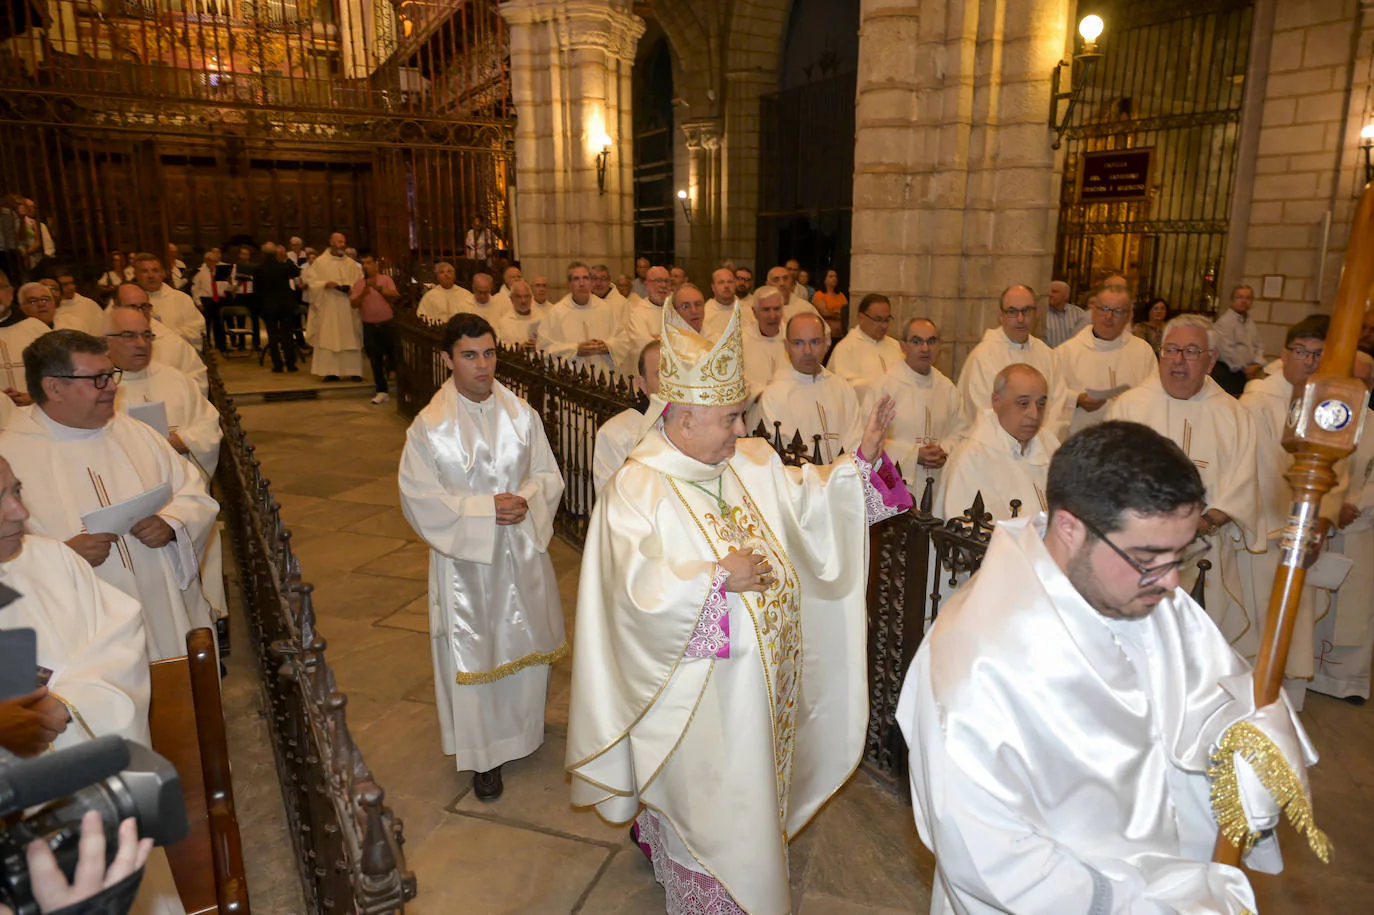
14	339
334	327
76	311
1345	634
765	345
1078	727
1012	342
807	398
643	320
710	570
480	485
581	329
91	456
619	434
446	298
1006	454
1104	358
1184	404
865	355
168	347
929	414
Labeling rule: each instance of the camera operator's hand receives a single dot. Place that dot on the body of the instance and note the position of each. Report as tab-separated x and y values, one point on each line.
50	888
29	724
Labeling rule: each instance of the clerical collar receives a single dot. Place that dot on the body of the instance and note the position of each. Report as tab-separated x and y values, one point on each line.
1012	343
802	376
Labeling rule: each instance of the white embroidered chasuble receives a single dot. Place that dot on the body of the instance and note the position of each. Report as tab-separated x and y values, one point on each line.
995	352
333	326
614	440
864	362
13	341
170	349
79	313
823	404
1086	362
929	412
73	471
989	460
496	623
175	309
569	324
737	754
1072	778
1218	434
438	304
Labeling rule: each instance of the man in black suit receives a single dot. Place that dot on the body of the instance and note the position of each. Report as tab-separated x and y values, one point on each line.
277	303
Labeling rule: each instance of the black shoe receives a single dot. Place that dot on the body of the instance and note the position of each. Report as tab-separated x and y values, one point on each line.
355	378
293	368
278	369
331	377
1353	700
487	785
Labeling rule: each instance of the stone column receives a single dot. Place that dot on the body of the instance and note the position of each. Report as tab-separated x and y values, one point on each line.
740	182
571	62
956	188
699	247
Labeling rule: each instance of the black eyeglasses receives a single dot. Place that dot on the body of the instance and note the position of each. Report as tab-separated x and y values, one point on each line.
101	380
1151	574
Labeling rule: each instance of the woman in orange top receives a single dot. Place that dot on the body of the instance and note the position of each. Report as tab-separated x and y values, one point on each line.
830	302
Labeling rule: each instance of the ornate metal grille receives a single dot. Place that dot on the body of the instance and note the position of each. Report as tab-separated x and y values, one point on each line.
1171	80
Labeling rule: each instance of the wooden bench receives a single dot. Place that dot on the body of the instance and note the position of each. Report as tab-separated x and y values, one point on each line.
188	728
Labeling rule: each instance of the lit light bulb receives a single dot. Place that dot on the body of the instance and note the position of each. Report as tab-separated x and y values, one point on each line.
1090	28
681	195
604	141
1367	133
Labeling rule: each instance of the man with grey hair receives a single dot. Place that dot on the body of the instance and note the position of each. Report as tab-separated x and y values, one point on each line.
605	290
1183	403
15	338
581	328
1063	319
1104	359
518	324
1006	454
446	298
765	350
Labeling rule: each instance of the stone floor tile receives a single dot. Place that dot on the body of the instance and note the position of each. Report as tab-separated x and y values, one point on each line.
413	616
410	561
626	887
378	492
403	751
389	522
322	551
820	904
332	515
323	484
361	595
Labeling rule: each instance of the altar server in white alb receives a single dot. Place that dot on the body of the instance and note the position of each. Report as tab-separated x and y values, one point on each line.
865	355
1006	454
334	327
806	397
90	456
1103	359
619	434
1345	635
1079	729
1011	342
718	693
480	485
929	416
1183	404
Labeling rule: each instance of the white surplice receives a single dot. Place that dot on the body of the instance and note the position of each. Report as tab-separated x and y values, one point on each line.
496	623
1218	435
995	352
1086	361
929	412
74	471
989	460
568	324
823	404
79	313
734	755
439	304
334	327
175	309
13	341
513	328
614	440
863	361
1059	759
170	349
763	357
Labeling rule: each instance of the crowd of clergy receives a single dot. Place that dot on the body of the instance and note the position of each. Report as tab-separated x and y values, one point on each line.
708	564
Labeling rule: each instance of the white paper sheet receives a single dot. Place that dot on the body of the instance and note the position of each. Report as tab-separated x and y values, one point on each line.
1107	393
154	414
1329	571
120	517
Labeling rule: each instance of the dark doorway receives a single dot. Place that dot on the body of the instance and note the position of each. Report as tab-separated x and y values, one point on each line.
653	127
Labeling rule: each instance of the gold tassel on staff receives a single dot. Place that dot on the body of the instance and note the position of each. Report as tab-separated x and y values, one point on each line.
1324	424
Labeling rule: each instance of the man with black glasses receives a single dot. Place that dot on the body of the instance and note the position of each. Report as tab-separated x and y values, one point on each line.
1071	709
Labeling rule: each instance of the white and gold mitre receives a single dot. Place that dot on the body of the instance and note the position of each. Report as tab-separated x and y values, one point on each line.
693	370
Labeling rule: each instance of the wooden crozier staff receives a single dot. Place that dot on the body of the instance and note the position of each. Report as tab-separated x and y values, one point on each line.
1324	423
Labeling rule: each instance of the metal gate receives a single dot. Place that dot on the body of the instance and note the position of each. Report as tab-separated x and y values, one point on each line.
1163	103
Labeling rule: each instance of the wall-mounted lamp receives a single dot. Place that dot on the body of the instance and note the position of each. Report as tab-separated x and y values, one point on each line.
602	158
1367	144
1090	28
686	207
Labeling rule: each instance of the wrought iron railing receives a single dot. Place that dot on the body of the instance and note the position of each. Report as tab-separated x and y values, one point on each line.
348	842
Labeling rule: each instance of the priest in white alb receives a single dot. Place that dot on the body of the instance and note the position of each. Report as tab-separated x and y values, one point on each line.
334	327
76	311
643	319
480	485
518	325
765	345
619	434
168	348
1103	359
1011	342
1005	454
1185	405
721	306
445	299
605	290
718	692
581	328
929	416
865	355
1079	730
14	339
90	456
807	398
172	307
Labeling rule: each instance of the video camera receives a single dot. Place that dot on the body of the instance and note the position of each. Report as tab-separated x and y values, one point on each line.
46	797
